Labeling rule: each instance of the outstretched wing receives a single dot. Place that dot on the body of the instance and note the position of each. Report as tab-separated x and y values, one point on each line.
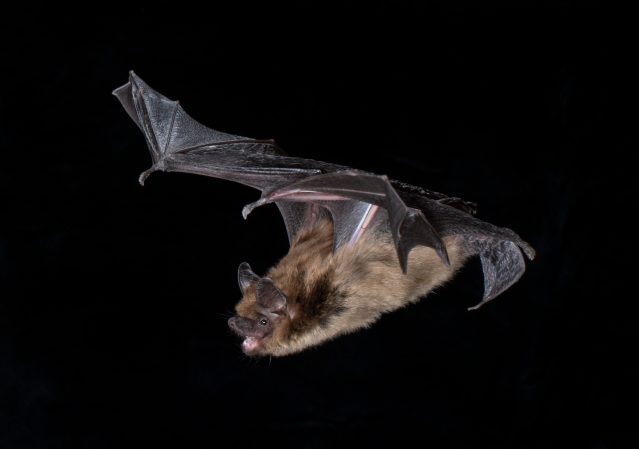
179	143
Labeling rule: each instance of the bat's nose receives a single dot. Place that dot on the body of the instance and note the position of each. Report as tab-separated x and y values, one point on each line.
238	325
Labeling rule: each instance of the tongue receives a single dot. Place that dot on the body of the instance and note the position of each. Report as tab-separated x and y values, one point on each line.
250	344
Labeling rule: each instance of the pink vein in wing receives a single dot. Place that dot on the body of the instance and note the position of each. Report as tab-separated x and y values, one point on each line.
306	195
310	195
363	224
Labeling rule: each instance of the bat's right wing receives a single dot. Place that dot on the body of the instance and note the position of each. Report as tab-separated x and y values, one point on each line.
303	189
177	142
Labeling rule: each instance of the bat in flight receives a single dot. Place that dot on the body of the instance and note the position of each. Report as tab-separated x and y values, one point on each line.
361	244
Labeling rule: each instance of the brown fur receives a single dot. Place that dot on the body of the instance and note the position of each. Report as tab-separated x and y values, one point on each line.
330	294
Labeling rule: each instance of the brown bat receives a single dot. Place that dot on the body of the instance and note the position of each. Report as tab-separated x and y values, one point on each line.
361	245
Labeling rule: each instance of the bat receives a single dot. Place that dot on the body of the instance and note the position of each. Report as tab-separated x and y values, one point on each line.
361	244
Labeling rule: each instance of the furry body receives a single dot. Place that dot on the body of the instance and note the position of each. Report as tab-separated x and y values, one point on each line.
333	293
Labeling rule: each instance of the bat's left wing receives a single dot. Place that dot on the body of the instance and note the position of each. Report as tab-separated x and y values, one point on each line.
500	250
353	198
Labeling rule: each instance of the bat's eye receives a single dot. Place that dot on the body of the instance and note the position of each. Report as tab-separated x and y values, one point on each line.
263	322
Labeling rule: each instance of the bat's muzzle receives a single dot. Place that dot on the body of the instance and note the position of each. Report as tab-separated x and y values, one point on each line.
237	326
245	327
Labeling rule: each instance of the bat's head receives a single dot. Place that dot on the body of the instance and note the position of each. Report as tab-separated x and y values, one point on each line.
262	313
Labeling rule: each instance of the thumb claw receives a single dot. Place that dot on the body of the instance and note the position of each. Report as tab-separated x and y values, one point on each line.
145	174
249	207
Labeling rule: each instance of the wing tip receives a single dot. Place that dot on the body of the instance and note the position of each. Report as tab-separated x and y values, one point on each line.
528	250
119	91
490	292
134	78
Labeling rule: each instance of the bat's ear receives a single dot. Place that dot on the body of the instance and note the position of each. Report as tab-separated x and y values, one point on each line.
269	297
246	277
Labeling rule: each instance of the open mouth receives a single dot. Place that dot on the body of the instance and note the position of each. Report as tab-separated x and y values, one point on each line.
251	345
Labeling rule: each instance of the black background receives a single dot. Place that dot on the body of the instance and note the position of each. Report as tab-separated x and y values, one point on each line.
114	297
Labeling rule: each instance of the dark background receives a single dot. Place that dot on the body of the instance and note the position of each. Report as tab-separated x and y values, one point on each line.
114	297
